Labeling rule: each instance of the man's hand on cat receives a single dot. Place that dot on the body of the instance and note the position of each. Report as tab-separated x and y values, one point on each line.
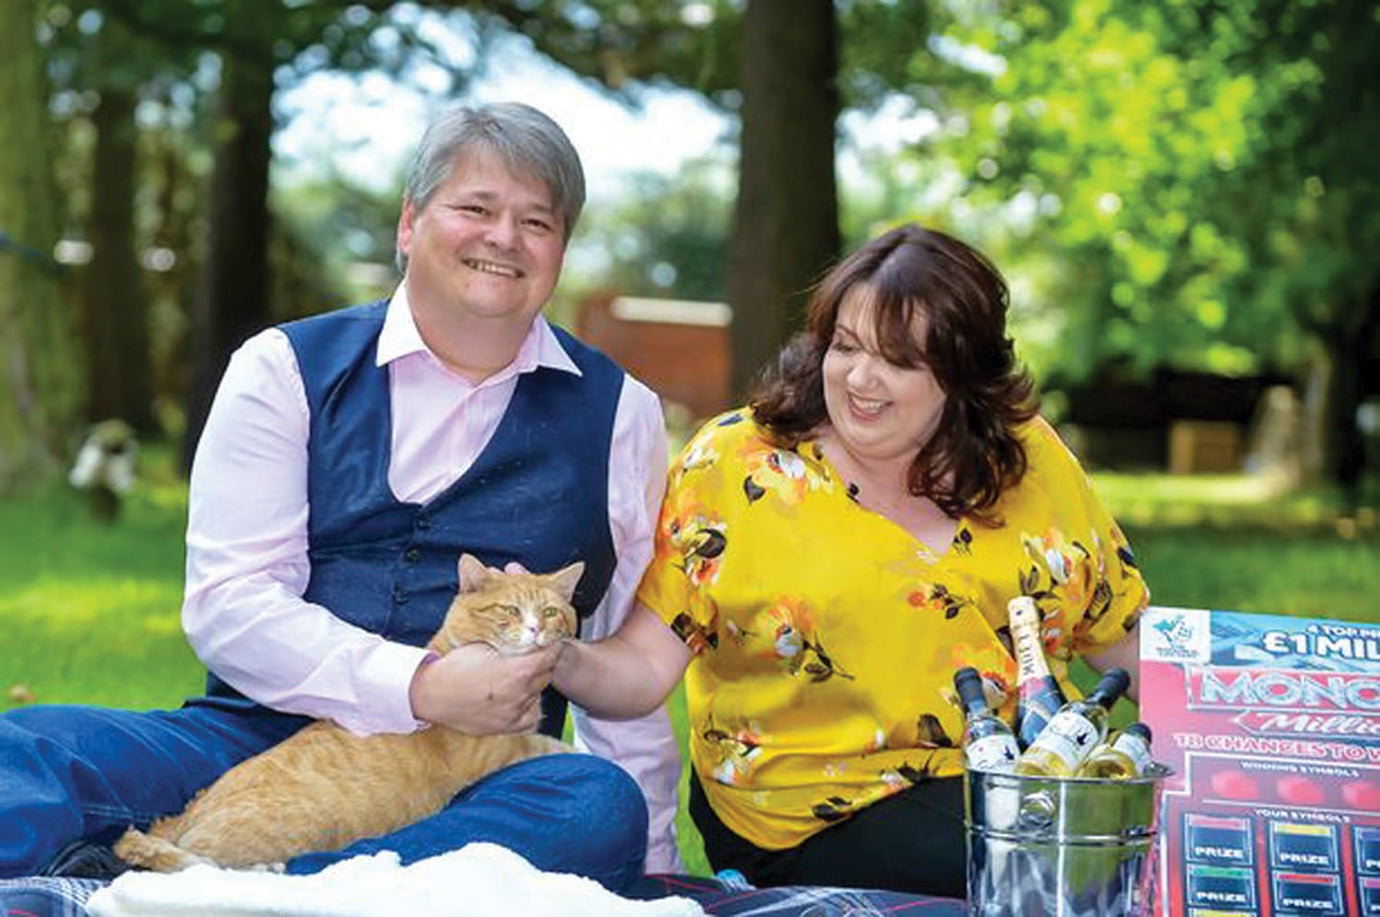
475	690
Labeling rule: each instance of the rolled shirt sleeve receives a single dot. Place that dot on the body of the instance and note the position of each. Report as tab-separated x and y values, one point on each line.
645	747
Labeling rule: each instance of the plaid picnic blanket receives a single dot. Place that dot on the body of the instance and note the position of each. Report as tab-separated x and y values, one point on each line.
43	896
738	899
62	897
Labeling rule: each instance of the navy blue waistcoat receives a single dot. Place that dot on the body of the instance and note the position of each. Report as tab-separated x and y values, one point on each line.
537	494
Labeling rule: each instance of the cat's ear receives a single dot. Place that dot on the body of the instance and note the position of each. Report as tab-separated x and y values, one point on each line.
473	573
565	580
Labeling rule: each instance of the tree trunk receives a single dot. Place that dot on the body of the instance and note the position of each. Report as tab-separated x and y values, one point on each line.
1338	383
116	319
172	292
232	295
786	220
40	368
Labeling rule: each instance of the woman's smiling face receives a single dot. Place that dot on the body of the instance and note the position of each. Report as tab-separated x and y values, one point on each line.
880	411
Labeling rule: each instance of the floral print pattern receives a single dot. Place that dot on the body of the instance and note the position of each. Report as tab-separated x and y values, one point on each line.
786	475
825	638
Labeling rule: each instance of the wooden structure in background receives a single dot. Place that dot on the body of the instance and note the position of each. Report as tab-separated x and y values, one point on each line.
679	348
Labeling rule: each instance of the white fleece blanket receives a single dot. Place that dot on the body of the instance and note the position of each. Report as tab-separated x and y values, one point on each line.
477	880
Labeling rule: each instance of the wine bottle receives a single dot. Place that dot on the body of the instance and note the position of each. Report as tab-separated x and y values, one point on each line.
1074	731
988	742
1126	757
1038	695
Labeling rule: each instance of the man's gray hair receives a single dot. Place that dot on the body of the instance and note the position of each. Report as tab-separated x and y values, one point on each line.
527	141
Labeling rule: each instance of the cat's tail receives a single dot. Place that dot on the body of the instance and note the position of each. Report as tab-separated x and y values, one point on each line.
155	853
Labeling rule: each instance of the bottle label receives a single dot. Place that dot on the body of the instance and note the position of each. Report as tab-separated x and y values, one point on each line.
1135	748
1039	700
1039	696
1025	634
1042	695
996	752
1070	737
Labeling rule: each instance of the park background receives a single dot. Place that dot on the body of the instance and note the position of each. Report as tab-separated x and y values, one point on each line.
1184	195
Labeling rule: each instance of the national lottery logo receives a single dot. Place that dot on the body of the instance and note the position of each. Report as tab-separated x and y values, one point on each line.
1176	635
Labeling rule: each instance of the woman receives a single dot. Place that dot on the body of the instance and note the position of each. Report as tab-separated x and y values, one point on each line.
828	557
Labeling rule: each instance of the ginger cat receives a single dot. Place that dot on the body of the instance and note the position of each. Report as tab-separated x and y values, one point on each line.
326	787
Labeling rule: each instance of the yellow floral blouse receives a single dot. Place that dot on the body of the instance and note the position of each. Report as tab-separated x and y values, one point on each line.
826	636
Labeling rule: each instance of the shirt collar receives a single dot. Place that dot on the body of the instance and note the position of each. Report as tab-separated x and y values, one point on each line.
400	338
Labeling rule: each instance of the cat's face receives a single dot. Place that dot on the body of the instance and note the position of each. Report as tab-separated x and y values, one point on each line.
512	612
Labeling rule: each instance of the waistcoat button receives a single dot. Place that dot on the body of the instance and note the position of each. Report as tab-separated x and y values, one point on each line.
412	555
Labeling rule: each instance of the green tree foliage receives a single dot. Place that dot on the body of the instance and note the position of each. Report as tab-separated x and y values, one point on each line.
264	46
622	44
246	52
40	364
257	47
666	236
786	68
1198	179
344	235
134	121
774	61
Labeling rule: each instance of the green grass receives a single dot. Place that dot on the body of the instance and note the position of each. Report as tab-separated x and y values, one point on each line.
89	613
1228	542
1310	574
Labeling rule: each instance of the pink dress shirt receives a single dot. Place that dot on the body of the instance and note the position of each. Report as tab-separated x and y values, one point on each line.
247	565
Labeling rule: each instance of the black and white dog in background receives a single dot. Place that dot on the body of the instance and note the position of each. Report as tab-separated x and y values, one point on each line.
105	466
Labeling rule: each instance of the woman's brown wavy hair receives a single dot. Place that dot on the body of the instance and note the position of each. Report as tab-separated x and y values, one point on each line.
974	454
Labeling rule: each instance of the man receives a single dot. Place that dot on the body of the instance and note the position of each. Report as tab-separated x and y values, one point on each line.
347	461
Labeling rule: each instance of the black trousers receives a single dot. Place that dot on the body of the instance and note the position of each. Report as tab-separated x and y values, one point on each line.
911	842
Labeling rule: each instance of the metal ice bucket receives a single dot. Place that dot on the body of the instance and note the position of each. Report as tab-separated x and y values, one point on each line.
1061	845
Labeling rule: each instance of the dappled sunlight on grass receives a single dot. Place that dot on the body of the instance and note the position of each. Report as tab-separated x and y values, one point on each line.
161	488
162	500
104	640
1178	501
94	598
1307	574
1241	542
1216	489
90	612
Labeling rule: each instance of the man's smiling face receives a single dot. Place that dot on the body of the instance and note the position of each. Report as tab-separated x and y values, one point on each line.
488	245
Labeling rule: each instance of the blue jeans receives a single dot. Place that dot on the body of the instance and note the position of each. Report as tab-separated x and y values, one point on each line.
69	772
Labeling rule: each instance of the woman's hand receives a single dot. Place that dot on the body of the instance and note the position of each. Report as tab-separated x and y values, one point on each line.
1125	653
474	689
